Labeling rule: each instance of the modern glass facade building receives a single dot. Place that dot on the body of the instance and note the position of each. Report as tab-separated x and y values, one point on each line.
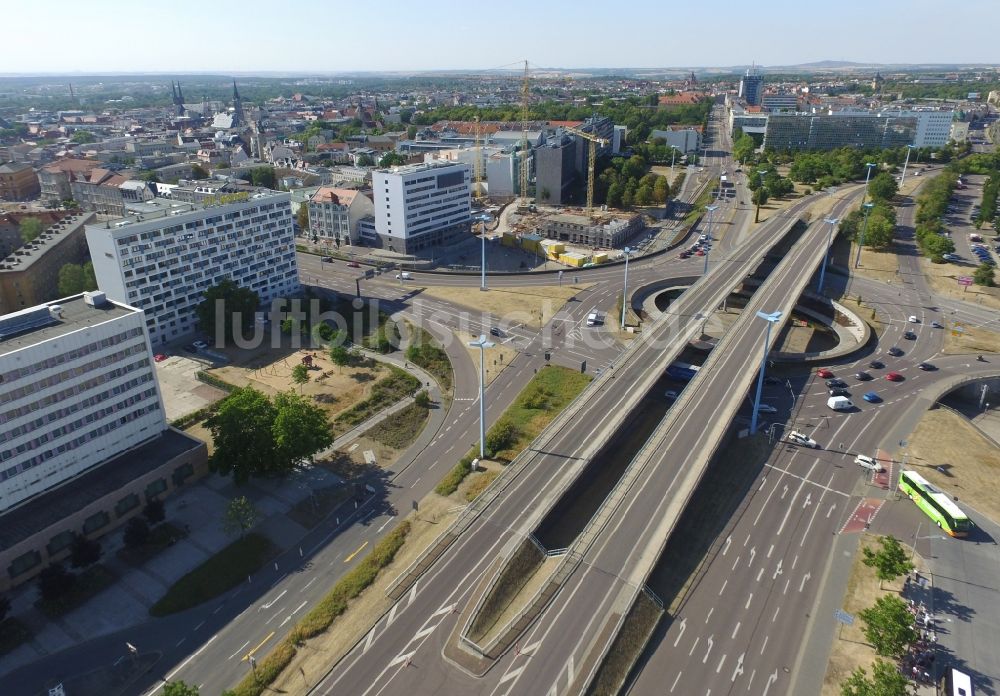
847	129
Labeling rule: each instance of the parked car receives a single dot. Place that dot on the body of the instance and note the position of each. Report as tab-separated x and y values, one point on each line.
200	345
159	357
895	351
326	259
766	408
839	391
936	325
894	377
910	336
876	364
354	264
671	394
494	331
824	373
872	397
913	319
869	463
862	376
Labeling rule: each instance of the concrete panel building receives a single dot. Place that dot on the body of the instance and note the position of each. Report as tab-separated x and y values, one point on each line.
421	205
164	257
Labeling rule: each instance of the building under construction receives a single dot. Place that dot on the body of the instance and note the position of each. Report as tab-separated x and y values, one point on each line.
599	230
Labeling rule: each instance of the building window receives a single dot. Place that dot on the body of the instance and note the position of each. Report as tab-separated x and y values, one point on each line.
155	488
24	563
59	542
129	502
95	522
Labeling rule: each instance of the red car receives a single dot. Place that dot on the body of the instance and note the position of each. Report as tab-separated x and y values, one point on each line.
894	377
699	253
824	373
159	357
354	264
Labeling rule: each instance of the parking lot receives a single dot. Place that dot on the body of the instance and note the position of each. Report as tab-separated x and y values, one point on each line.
182	392
959	221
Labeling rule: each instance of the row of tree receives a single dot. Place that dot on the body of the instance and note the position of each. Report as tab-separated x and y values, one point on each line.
988	207
628	182
932	204
879	230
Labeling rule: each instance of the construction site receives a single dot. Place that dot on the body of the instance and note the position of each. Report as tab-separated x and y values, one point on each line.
571	236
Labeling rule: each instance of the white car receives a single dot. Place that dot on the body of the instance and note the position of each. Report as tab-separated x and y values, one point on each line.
200	345
802	439
405	275
869	463
766	408
913	319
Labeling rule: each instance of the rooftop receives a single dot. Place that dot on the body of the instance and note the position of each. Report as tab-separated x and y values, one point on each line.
21	259
35	325
419	167
157	208
329	194
49	508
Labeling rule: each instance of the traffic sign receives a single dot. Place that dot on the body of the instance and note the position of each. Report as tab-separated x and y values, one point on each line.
964	280
843	617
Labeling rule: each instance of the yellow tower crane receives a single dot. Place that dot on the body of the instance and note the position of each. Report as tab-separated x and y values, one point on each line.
592	159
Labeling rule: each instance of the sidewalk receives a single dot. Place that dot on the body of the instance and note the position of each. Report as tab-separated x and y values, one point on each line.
199	509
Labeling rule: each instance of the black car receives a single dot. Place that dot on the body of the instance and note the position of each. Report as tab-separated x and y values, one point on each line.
839	391
494	331
835	383
326	259
910	336
862	376
876	364
895	351
926	367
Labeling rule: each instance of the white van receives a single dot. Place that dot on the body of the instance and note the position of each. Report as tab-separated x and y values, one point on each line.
593	319
839	403
405	275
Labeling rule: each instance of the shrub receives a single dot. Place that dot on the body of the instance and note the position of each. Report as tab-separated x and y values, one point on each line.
501	435
84	552
154	511
450	483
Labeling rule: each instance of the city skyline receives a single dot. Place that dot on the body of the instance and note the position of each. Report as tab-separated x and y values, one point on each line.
397	39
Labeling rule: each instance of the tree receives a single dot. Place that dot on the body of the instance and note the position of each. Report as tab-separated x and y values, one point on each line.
89	276
302	216
136	533
198	172
300	374
422	399
179	688
661	190
154	511
151	177
300	430
264	176
879	232
71	279
889	561
743	148
759	198
889	626
501	435
644	195
84	552
391	159
30	228
984	275
236	303
886	681
241	515
241	431
54	582
411	133
882	187
366	161
82	137
340	356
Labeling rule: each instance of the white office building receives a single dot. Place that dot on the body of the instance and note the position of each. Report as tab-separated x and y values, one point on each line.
933	126
421	205
77	388
164	257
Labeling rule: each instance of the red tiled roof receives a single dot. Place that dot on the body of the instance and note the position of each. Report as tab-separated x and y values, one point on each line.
681	98
328	194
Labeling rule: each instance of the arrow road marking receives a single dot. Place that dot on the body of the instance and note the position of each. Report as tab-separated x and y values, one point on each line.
770	680
739	667
729	540
683	626
753	552
710	644
804	579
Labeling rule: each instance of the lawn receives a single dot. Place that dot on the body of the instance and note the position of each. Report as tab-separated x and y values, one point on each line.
88	583
223	571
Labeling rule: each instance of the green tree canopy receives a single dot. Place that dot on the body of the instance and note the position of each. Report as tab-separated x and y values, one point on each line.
241	514
234	302
885	681
743	148
882	186
241	431
888	626
198	172
984	276
82	137
179	688
302	216
300	374
300	430
264	176
89	276
71	279
889	561
30	228
391	159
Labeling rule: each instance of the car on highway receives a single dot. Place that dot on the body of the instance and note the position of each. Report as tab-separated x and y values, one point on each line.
834	383
802	439
839	391
200	345
926	367
404	275
869	463
895	351
684	255
862	376
872	397
771	380
937	325
824	373
909	336
766	408
894	377
160	357
354	264
876	364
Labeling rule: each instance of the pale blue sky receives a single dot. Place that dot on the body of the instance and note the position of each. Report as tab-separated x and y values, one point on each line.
312	35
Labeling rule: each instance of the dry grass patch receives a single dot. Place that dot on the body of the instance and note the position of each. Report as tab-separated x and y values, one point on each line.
496	358
531	306
943	280
877	265
971	462
971	339
850	650
476	482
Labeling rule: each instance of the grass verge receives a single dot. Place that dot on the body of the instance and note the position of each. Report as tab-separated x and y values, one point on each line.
161	537
13	633
88	583
387	391
428	354
700	204
223	571
401	428
627	646
324	614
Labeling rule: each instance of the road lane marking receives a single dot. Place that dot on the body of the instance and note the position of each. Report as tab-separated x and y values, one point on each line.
413	593
721	661
694	645
530	648
307	585
199	625
723	588
752	675
425	632
182	665
392	615
749	599
259	646
402	657
762	646
379	531
805	578
776	610
709	616
736	562
759	573
511	675
683	626
239	649
770	551
710	642
369	639
444	610
359	550
271	603
676	679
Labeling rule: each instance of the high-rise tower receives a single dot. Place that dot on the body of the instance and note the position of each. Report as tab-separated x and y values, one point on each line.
239	119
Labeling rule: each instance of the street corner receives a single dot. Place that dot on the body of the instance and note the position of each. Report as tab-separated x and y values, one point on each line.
862	516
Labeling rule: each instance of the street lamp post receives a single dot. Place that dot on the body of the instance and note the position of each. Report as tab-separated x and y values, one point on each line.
711	209
864	228
870	166
625	251
482	344
482	234
826	257
902	178
673	154
771	319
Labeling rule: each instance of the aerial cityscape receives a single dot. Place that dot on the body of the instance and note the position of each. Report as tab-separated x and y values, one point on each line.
442	358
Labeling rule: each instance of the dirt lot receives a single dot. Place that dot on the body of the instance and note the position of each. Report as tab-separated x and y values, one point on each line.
333	388
850	650
942	278
317	654
970	463
531	306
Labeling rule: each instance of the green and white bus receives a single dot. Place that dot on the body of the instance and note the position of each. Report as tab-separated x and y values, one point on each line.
935	504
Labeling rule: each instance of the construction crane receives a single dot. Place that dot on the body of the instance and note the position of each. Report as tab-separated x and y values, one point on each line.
594	141
525	97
